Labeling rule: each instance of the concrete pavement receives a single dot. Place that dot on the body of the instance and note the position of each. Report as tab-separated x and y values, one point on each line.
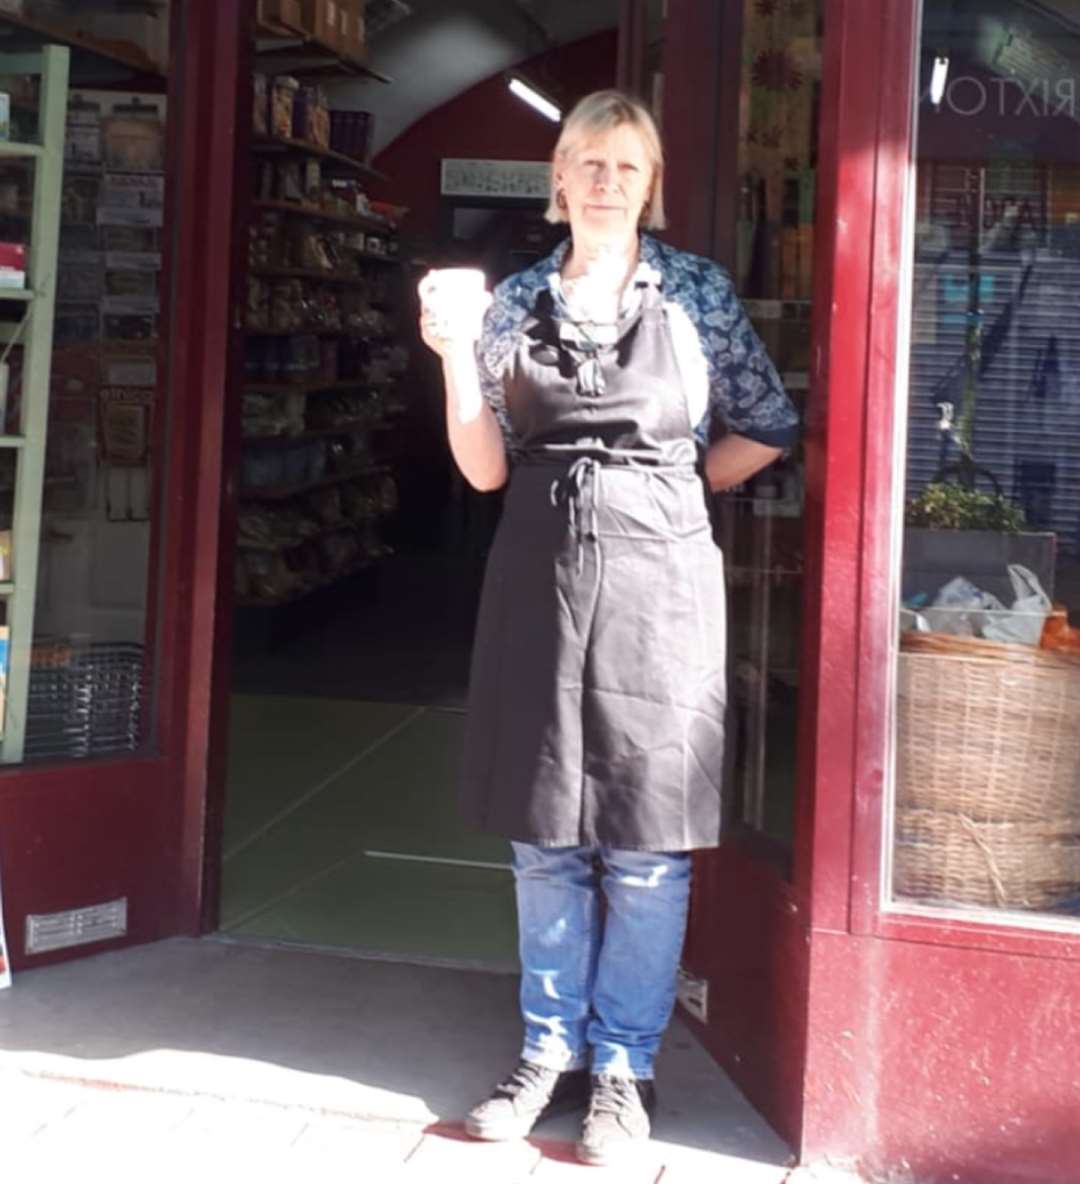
189	1059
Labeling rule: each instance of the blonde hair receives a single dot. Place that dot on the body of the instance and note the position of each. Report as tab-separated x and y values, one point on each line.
600	112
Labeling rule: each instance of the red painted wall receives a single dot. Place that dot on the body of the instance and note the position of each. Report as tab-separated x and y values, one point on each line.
955	1065
487	122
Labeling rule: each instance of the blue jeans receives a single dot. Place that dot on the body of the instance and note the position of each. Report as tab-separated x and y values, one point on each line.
594	993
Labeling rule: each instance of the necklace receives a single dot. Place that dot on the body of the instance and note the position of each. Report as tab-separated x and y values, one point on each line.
585	349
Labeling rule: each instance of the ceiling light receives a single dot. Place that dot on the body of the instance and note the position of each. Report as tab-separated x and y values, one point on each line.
535	99
938	80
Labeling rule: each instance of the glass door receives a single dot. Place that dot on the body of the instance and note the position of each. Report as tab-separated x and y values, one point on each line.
83	221
110	457
762	524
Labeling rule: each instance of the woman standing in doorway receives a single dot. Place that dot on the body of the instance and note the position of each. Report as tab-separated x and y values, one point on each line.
597	698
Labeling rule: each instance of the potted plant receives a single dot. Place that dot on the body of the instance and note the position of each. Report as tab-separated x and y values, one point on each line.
955	530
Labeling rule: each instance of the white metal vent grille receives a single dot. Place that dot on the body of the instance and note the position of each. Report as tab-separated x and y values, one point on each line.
693	994
77	927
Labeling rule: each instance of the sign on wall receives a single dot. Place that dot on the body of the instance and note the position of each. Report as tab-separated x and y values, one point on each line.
526	179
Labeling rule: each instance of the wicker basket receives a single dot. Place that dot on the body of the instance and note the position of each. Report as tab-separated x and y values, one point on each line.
988	730
947	858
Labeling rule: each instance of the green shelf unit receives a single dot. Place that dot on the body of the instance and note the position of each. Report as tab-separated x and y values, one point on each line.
54	64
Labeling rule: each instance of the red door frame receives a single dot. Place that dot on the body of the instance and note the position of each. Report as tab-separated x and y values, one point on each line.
219	46
82	833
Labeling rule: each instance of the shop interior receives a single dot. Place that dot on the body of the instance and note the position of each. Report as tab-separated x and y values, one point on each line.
385	139
348	706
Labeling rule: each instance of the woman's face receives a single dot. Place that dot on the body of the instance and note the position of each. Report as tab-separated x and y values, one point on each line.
607	180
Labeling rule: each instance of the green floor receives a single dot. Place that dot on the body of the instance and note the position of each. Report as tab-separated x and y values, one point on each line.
337	815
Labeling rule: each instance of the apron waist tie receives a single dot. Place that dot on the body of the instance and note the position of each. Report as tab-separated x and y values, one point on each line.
580	489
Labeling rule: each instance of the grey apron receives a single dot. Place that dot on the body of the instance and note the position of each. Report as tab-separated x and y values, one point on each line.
597	693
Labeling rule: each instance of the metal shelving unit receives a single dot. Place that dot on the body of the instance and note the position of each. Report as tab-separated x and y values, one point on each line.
316	214
296	54
332	159
286	493
35	330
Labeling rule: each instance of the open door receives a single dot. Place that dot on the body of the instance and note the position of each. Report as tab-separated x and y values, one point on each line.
114	422
743	100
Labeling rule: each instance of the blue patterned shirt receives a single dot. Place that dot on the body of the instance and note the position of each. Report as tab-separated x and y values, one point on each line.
730	379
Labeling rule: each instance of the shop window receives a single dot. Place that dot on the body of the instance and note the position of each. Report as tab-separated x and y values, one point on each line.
985	803
82	435
761	525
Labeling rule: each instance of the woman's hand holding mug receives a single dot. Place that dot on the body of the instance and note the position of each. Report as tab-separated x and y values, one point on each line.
453	301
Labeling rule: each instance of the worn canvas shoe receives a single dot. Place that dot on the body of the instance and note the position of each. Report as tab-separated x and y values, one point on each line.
528	1095
618	1122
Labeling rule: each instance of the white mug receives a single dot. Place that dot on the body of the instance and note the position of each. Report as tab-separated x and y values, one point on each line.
451	293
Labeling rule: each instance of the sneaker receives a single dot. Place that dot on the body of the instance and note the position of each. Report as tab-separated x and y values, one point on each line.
618	1122
529	1094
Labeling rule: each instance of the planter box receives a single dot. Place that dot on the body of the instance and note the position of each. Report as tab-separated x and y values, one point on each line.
933	557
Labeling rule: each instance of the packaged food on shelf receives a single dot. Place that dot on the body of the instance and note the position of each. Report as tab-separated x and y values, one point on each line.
287	304
282	14
133	138
313	182
393	215
283	92
265	232
267	576
350	133
274	527
262	469
12	265
82	142
271	416
304	464
331	411
311	249
266	181
359	502
341	457
261	361
257	304
325	505
353	30
339	552
303	359
311	116
329	368
352	357
290	181
11	196
389	496
261	111
318	461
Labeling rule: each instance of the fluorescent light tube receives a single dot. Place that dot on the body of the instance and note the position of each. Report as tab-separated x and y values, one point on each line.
938	80
535	100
